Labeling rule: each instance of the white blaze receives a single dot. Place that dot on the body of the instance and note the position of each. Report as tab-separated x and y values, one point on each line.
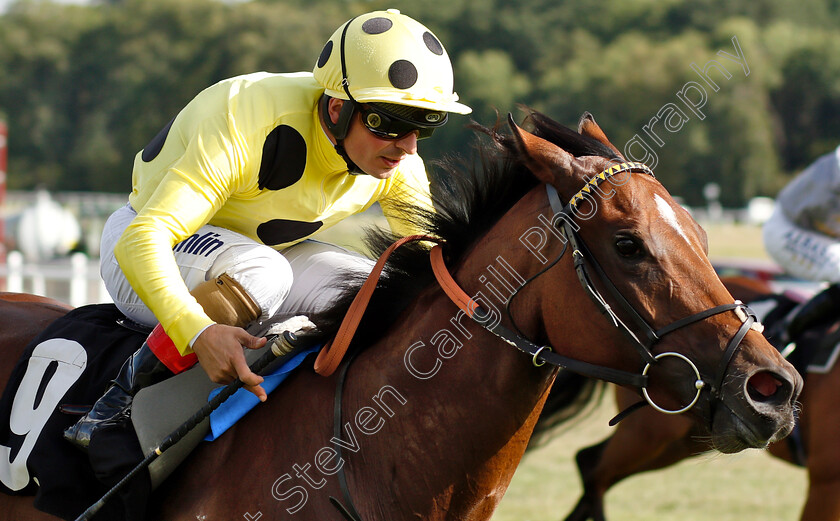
669	216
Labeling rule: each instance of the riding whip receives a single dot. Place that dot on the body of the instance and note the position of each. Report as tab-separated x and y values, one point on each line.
280	345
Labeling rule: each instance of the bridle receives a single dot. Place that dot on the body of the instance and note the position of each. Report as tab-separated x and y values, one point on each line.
647	335
541	355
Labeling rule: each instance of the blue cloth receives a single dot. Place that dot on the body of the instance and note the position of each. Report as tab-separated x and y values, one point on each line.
243	401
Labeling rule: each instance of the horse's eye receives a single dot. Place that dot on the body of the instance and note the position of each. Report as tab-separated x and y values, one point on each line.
627	247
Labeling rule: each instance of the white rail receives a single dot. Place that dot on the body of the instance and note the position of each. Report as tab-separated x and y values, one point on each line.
74	280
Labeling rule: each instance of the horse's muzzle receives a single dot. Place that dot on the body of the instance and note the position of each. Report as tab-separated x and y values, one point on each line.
762	413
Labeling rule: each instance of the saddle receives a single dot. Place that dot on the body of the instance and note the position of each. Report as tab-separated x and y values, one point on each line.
815	350
61	373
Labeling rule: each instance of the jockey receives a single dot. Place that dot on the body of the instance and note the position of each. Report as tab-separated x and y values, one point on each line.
803	236
213	239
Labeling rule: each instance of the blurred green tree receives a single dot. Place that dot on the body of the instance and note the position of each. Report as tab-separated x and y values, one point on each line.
85	88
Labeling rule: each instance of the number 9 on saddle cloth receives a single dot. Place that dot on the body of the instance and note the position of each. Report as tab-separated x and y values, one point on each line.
59	375
71	362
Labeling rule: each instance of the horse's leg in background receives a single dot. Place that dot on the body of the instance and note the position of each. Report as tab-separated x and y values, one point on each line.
820	423
645	440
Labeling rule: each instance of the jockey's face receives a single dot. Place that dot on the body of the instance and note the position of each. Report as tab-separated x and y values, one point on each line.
373	155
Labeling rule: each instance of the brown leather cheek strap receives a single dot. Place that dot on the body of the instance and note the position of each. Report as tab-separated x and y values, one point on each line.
333	352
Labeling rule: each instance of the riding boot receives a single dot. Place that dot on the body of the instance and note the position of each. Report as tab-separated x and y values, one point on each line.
823	307
224	300
141	370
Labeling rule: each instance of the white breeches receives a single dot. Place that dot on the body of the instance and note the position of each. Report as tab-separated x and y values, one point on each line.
803	253
300	280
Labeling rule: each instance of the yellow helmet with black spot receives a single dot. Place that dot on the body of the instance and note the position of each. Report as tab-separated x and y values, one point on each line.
388	57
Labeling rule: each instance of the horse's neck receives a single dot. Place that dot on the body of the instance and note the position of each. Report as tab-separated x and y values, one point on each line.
435	418
470	400
463	415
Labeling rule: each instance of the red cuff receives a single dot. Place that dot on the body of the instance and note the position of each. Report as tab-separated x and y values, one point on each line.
163	347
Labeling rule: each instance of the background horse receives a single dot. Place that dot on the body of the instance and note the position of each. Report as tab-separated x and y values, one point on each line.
437	410
648	440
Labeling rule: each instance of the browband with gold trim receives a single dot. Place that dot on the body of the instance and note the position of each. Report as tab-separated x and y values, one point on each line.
606	174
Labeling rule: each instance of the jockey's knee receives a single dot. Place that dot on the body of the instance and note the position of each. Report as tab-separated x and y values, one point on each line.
260	276
773	236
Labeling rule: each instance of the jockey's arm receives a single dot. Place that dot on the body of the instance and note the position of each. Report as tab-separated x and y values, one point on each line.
181	203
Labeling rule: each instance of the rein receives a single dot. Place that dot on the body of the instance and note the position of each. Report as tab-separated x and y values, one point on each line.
540	355
581	257
332	354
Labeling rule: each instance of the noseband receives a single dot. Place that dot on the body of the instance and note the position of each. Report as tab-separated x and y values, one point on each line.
643	342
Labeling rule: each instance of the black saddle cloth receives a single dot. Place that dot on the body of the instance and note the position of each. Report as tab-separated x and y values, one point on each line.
813	346
71	362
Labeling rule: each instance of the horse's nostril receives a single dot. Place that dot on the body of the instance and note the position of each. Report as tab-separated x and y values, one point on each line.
762	386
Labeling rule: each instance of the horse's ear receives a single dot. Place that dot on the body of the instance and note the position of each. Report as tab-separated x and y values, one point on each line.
545	159
588	127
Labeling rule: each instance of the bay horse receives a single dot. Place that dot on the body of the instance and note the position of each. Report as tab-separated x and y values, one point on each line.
437	408
647	440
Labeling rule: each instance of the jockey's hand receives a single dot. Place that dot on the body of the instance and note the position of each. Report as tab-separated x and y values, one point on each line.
219	351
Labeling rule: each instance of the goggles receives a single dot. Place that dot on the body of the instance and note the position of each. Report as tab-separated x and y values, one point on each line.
389	126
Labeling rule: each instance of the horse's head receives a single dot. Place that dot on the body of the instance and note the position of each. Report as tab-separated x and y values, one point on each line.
643	261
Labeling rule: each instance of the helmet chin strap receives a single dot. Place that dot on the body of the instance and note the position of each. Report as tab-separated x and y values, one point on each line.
352	168
340	129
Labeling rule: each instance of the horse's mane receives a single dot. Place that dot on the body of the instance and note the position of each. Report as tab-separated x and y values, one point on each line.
470	196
